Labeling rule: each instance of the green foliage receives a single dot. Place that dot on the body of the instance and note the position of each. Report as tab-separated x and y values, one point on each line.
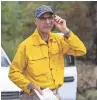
11	46
91	94
17	20
10	20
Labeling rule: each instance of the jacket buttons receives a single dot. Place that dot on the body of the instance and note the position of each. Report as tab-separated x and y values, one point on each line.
54	80
59	85
51	69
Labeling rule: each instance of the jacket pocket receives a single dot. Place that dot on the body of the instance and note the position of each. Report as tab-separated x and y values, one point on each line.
38	67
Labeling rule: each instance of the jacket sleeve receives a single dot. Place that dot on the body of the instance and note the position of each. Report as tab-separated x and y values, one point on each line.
73	46
19	63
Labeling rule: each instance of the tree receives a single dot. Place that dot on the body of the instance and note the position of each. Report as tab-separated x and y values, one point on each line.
92	54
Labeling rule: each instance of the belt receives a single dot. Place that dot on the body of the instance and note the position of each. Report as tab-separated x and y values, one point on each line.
54	90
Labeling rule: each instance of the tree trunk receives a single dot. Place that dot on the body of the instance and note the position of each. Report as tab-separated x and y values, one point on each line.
93	17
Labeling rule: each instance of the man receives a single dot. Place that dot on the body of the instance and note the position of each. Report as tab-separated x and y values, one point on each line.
39	61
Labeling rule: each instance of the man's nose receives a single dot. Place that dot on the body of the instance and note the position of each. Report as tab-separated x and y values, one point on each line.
47	21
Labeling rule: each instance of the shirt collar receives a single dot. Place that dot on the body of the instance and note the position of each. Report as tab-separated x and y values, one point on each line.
38	40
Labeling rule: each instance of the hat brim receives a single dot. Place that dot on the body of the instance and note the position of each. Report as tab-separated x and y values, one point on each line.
44	13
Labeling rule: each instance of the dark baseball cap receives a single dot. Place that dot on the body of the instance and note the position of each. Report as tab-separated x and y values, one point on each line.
43	9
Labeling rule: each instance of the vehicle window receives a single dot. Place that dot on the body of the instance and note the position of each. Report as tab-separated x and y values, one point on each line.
69	60
4	62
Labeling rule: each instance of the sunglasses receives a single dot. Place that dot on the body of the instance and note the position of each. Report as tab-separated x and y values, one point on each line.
45	18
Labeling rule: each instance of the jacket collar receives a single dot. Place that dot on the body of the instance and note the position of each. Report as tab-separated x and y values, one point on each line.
38	40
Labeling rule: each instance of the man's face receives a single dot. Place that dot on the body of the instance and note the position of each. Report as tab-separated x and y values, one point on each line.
45	22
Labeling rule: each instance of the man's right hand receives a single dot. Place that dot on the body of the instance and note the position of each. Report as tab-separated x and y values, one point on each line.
31	87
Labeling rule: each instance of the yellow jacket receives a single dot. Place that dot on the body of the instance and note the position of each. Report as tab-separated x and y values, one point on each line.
42	64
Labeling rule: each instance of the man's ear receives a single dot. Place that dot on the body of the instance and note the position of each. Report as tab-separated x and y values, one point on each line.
35	21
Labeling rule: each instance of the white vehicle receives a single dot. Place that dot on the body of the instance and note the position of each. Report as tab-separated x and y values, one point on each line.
69	89
9	91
